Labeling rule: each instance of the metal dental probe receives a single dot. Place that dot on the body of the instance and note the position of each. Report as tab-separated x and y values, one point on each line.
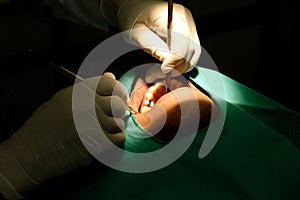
74	76
169	27
65	71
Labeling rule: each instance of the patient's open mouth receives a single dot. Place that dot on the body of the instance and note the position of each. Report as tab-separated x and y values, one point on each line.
146	95
152	95
158	108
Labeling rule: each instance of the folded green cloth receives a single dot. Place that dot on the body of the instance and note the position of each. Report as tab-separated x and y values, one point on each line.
255	157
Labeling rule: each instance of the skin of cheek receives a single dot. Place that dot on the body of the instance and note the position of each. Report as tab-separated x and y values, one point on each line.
164	118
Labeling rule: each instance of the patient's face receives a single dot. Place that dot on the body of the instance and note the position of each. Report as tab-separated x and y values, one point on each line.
157	108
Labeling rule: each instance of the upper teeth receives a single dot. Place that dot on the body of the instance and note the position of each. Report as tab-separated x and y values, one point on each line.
149	100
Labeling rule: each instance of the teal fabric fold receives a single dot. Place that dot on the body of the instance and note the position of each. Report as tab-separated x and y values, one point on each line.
253	158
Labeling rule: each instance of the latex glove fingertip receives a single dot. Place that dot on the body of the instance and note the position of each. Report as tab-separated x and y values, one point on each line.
154	73
109	74
166	69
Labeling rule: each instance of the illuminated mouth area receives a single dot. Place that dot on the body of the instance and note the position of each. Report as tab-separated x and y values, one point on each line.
152	95
146	95
158	108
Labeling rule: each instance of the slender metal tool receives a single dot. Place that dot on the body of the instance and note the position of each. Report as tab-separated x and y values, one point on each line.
65	71
169	27
74	76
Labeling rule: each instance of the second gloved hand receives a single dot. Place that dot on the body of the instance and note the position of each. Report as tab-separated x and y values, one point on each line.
109	103
50	144
148	21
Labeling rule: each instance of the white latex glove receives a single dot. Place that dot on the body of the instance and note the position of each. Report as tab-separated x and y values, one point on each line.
48	145
149	17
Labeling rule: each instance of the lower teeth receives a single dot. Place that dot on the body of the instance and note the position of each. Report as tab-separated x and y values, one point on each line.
152	96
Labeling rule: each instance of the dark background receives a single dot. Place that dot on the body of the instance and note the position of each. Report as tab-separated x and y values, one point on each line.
252	42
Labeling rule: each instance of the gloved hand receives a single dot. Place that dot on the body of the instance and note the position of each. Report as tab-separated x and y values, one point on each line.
48	145
149	18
